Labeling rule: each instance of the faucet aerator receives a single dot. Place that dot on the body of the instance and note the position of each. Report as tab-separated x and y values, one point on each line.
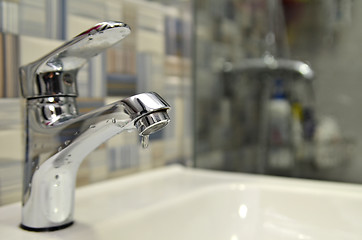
152	122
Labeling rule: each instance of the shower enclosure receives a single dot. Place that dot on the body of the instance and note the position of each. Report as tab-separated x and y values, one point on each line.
269	97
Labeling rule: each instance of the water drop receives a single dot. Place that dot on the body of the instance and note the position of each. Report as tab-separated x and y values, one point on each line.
57	182
144	141
66	143
114	120
92	126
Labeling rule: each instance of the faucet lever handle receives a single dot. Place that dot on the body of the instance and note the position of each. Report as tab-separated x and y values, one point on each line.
55	73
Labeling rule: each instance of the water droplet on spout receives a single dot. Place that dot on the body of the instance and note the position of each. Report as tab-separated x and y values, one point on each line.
144	141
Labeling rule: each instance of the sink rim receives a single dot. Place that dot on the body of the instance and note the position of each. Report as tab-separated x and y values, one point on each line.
205	179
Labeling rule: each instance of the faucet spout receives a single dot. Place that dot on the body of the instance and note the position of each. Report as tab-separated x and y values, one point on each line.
58	138
56	149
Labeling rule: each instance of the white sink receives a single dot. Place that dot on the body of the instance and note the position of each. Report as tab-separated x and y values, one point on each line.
179	203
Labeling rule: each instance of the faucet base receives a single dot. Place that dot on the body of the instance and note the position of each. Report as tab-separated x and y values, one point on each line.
47	229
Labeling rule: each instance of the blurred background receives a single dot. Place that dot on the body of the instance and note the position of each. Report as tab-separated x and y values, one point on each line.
257	86
278	87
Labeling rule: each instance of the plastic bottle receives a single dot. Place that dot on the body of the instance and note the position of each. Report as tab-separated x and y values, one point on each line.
280	155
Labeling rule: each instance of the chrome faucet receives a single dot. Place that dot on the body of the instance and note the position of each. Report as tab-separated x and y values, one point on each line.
58	138
268	63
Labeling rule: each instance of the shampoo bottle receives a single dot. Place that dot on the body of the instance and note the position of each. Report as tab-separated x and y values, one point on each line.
279	155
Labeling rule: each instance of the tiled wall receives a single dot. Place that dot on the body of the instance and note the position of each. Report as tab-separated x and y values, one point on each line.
155	57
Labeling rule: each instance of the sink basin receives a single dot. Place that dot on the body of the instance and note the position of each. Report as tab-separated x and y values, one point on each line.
180	203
